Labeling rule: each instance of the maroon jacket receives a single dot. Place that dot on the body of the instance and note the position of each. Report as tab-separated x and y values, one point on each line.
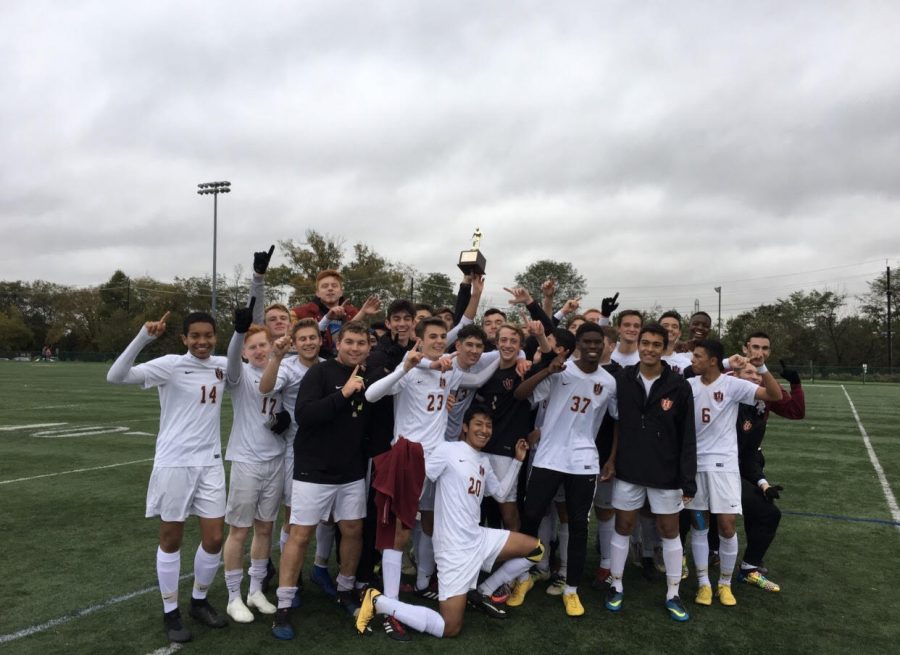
791	406
316	309
398	480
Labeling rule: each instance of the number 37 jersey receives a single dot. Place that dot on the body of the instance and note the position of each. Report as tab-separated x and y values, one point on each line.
191	392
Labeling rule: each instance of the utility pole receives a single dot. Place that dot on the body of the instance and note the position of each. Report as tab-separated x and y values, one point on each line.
890	339
718	290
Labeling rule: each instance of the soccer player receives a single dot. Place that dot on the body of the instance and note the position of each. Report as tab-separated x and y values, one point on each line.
716	401
677	361
463	475
655	459
491	321
329	468
188	477
578	395
257	469
628	323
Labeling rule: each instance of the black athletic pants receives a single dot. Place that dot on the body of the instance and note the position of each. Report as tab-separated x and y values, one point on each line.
542	487
761	518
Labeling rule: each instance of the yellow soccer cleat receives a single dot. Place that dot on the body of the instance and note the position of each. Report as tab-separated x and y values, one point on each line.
517	597
704	595
367	610
573	605
725	596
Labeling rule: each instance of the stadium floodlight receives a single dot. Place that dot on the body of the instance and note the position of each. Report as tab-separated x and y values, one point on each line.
214	188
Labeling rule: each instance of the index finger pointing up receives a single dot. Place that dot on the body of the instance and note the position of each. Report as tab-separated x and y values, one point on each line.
165	316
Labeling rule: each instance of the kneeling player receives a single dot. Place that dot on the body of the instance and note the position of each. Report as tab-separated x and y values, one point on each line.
462	475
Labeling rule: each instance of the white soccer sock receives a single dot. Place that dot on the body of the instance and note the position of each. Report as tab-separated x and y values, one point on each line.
506	573
728	550
283	538
168	569
700	552
205	567
649	536
605	531
672	552
285	596
416	617
345	582
545	534
391	563
258	570
233	583
324	543
424	561
563	549
618	555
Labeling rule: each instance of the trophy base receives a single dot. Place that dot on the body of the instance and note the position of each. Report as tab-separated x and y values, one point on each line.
472	262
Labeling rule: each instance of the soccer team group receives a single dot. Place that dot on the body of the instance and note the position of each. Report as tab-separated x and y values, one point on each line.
402	441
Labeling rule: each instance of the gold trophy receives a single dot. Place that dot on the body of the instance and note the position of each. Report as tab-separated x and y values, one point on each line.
472	262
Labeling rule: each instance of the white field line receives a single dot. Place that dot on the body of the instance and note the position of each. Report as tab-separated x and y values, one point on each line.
94	468
166	650
52	623
885	487
12	428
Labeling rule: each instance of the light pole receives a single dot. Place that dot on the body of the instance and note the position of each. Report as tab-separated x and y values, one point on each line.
215	188
718	290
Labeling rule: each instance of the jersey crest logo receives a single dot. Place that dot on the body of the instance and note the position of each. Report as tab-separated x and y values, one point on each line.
748	425
481	471
718	396
508	384
220	374
598	389
443	383
667	404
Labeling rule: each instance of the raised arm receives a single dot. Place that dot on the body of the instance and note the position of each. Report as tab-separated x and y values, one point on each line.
258	284
501	488
270	374
122	371
529	384
388	385
243	318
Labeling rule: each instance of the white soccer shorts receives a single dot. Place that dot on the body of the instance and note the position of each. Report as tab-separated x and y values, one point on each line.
312	502
254	492
603	494
458	569
717	491
176	492
629	497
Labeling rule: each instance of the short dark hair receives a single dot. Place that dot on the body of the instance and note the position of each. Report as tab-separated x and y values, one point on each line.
759	334
610	332
670	314
702	313
420	306
469	331
444	310
629	312
658	330
431	320
476	408
400	306
586	327
713	348
197	317
564	338
354	327
491	311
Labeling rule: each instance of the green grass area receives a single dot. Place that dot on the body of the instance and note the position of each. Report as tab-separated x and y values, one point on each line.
75	541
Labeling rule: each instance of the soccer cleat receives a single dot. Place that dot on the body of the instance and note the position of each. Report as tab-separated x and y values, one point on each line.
281	626
322	578
271	574
501	594
539	575
175	630
573	605
428	593
676	610
366	610
517	597
556	586
754	578
395	630
537	554
206	614
723	593
485	604
238	611
259	601
648	569
349	601
614	600
704	595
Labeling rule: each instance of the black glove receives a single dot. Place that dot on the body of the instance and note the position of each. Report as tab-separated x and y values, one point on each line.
261	260
609	305
282	422
772	492
243	317
789	374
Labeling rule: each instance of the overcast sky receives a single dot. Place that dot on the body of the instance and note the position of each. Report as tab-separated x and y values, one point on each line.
662	148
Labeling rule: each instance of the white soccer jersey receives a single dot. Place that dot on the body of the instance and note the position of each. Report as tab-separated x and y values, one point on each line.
465	396
287	384
576	404
420	405
678	362
463	476
250	440
715	415
625	360
190	399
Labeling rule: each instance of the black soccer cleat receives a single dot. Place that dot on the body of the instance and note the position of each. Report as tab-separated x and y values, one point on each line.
175	630
484	603
271	574
203	612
